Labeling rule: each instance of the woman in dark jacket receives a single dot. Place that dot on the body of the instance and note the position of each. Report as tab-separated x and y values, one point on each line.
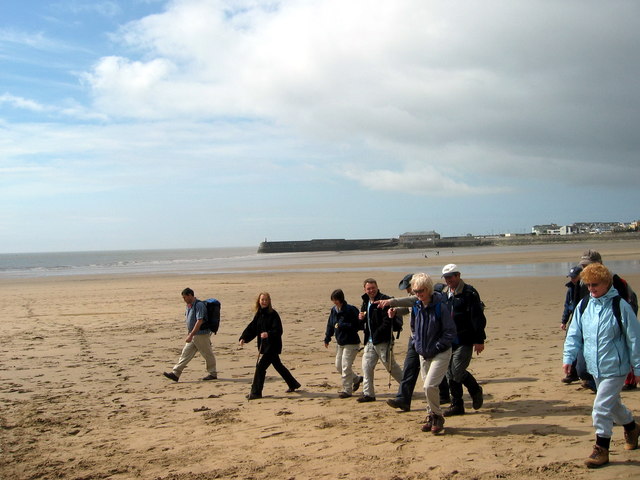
266	326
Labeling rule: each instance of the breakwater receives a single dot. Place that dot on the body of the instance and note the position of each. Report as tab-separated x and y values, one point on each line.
327	245
324	245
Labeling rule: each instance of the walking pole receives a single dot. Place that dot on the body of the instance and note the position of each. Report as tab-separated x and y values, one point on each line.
390	352
259	353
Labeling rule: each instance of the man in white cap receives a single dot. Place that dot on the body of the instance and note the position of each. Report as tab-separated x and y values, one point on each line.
468	315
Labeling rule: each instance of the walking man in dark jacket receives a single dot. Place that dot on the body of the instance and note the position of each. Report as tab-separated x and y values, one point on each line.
470	321
378	339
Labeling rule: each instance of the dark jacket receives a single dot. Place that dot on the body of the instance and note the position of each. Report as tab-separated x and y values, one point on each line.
468	315
433	327
265	321
571	300
347	323
376	325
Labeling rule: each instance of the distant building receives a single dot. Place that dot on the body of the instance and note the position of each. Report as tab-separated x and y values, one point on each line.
550	229
418	239
584	228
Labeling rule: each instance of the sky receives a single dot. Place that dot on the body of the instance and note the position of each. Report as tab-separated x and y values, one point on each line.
143	124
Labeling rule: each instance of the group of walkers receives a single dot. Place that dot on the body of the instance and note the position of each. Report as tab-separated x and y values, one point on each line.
446	326
602	348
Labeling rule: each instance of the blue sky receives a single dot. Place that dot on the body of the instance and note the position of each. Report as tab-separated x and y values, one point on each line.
192	123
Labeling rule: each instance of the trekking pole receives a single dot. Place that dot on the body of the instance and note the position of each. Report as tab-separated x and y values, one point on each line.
390	352
390	349
259	353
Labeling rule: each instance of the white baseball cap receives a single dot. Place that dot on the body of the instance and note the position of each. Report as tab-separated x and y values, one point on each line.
450	269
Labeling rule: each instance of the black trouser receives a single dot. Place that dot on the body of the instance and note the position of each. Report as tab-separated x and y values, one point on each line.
410	372
265	361
458	375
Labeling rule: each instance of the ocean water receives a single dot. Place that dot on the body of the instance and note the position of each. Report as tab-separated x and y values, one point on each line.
245	259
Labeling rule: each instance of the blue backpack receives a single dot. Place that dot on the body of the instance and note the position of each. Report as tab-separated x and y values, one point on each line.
212	319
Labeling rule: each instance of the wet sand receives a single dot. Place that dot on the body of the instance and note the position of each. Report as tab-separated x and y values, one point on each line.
82	394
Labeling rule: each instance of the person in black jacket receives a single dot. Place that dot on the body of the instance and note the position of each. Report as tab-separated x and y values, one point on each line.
378	339
266	326
344	324
571	300
468	315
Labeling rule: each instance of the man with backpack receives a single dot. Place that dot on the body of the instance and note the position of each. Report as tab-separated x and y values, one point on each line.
468	315
198	338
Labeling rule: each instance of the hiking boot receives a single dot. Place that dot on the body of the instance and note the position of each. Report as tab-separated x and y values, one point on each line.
631	438
437	424
211	376
395	403
356	383
171	376
365	399
344	395
428	423
457	409
477	398
599	457
570	379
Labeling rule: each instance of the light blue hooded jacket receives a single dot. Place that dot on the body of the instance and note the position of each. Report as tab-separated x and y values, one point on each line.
607	351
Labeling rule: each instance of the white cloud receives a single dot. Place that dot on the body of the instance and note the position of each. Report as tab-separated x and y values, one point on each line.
22	103
422	181
406	73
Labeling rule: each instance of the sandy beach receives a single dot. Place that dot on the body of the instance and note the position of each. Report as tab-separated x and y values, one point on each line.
82	394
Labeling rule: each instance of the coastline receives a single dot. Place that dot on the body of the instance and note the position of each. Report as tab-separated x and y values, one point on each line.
83	396
241	261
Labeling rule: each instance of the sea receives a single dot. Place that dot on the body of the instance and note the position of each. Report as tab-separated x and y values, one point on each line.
246	260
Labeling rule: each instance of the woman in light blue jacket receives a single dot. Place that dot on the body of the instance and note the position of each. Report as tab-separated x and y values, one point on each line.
608	333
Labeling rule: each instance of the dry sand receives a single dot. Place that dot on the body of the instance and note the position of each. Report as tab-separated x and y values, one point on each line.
82	394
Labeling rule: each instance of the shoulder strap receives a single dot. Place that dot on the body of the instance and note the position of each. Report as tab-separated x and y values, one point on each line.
615	305
583	304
